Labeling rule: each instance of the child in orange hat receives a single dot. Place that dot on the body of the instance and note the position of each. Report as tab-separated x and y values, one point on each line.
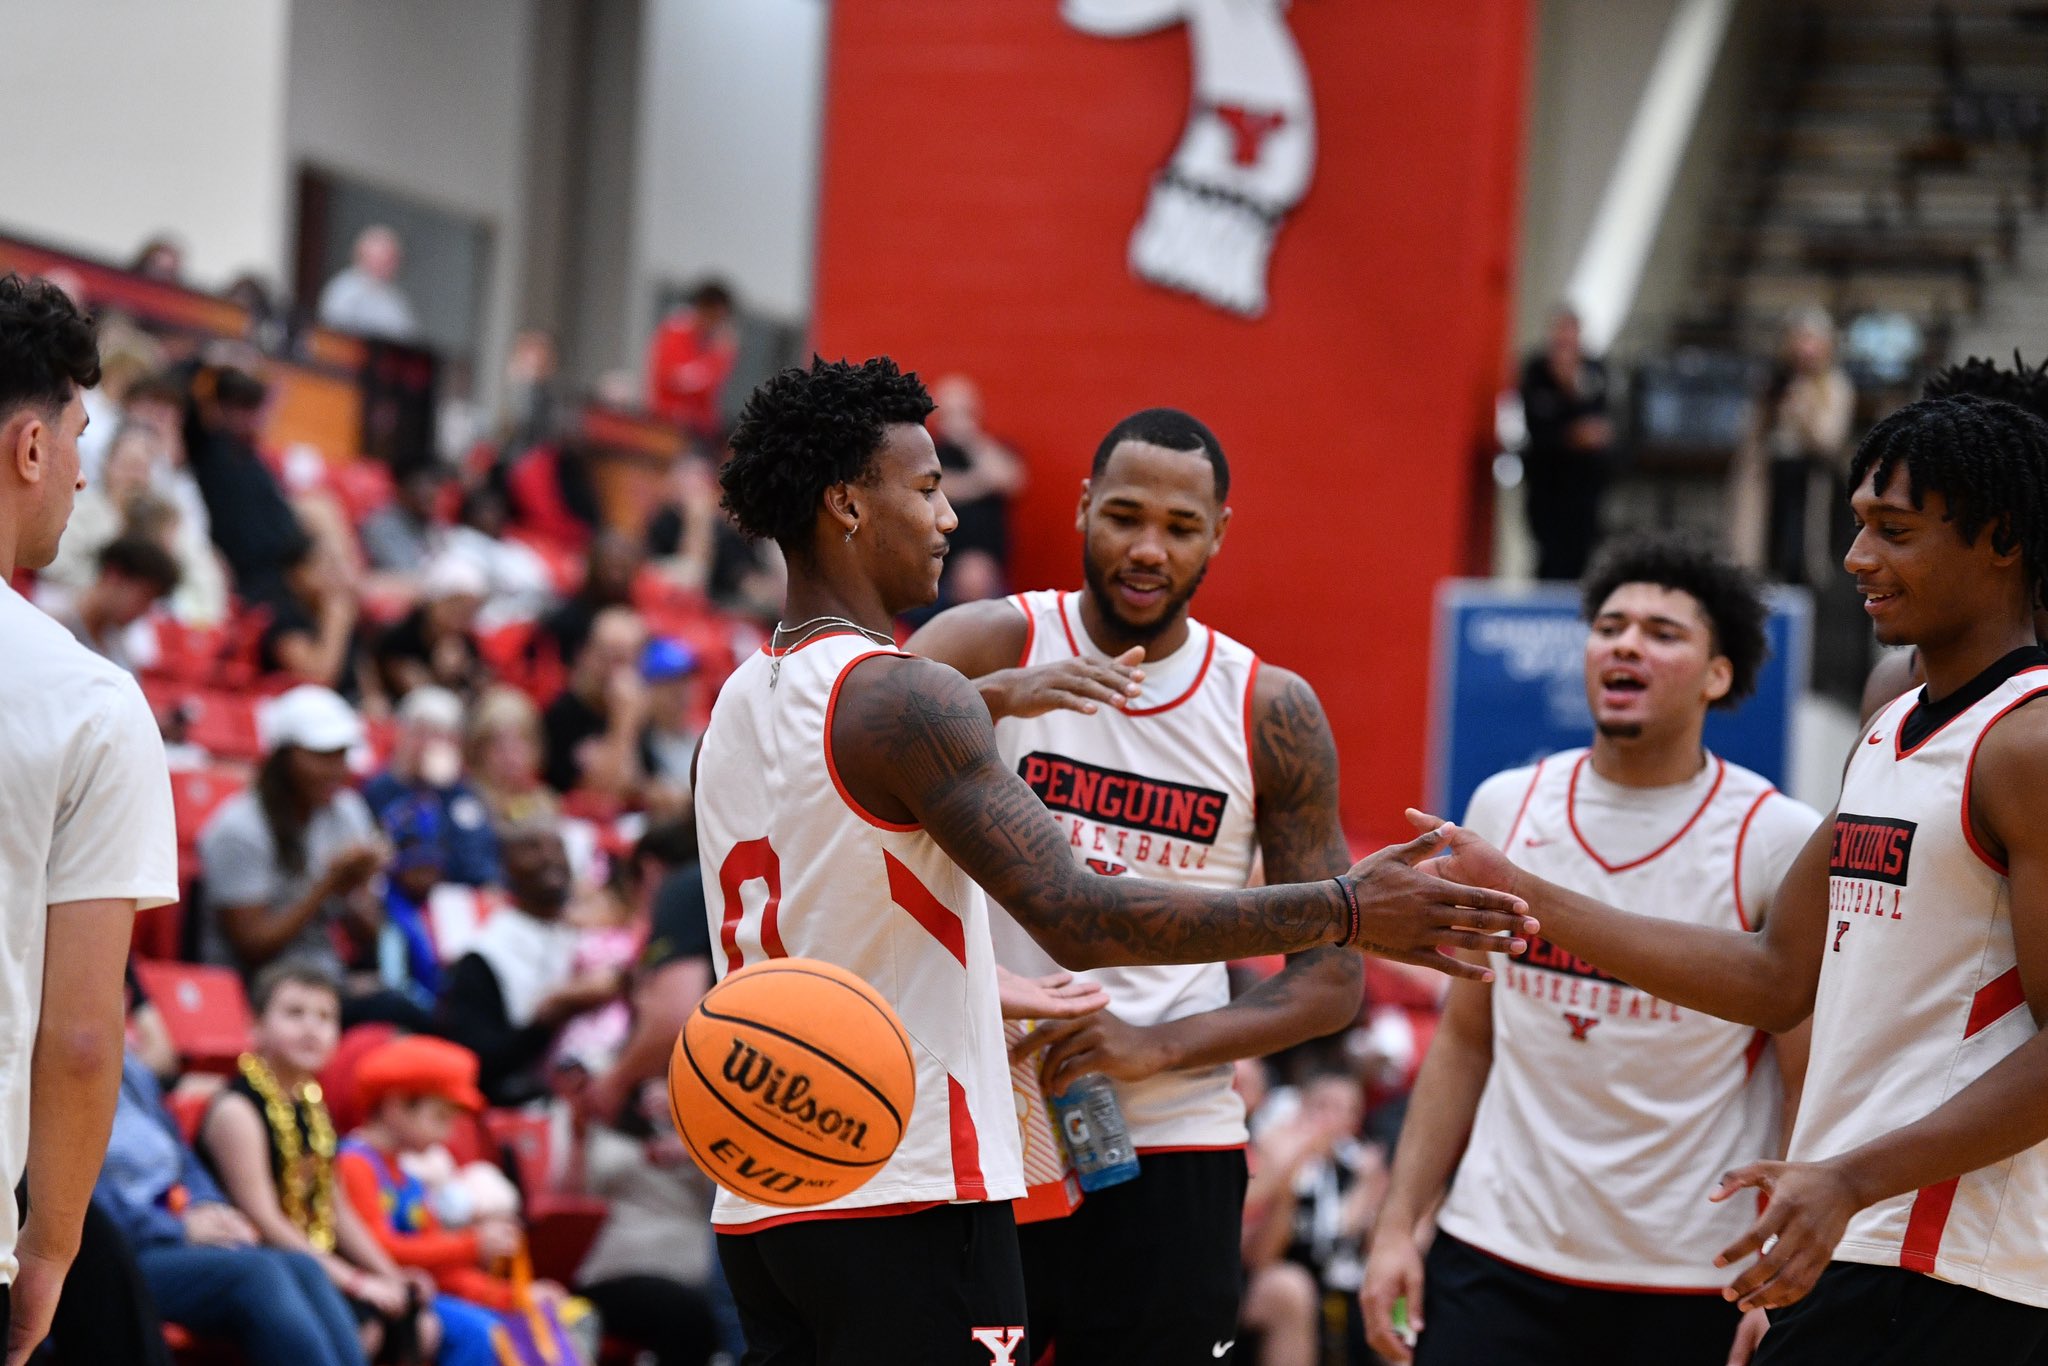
412	1089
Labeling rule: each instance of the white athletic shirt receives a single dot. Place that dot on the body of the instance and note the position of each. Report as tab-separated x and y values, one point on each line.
793	867
1609	1114
85	815
1920	995
1162	789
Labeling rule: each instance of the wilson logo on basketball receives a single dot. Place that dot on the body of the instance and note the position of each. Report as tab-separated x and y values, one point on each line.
1872	848
1114	797
774	1085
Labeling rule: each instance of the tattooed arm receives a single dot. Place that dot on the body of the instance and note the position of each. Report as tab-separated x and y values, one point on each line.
1294	773
913	742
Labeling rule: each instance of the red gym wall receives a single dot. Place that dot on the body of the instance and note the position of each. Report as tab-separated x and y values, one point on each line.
984	166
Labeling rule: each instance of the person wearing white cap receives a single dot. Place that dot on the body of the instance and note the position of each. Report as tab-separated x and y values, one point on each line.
427	762
433	643
87	836
298	851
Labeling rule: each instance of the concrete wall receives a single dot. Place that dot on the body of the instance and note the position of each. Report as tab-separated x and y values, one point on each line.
126	118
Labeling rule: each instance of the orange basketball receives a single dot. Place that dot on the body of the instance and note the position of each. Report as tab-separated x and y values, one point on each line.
791	1082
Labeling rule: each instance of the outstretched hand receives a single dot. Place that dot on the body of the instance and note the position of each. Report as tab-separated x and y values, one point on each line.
1080	684
1407	912
1795	1237
1056	996
1464	856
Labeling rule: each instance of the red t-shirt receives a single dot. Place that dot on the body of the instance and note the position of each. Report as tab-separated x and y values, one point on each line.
687	366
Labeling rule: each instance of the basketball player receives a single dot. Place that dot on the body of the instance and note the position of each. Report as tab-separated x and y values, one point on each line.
852	802
86	833
1577	1228
1149	1270
1912	1222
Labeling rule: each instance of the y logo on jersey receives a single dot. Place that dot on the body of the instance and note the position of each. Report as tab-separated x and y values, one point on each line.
1868	865
1002	1344
1580	1024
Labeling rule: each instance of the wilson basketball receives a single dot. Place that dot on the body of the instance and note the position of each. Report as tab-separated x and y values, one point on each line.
791	1082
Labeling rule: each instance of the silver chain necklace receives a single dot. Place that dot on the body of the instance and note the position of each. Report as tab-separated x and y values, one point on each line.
818	626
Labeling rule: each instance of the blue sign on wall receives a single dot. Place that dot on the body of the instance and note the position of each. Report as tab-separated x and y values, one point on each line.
1509	687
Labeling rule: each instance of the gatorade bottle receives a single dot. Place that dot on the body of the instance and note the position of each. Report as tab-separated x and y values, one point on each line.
1092	1125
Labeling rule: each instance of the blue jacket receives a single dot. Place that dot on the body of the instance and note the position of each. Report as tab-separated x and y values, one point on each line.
146	1159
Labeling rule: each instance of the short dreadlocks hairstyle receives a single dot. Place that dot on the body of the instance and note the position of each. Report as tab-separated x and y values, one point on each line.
2025	386
805	430
1987	458
48	349
1731	597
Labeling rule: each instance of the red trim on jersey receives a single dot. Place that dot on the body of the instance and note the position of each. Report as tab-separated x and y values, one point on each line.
1754	1054
1997	866
1572	819
1742	834
832	767
1924	1226
968	1183
1899	735
1030	627
1192	1148
1068	626
1201	674
1251	684
1599	1285
805	644
1995	1000
806	1216
927	910
1523	809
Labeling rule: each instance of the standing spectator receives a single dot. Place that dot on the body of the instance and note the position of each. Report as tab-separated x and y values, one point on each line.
403	536
596	727
99	515
427	761
982	475
135	573
161	258
669	669
156	404
1803	422
365	298
297	853
682	535
259	535
203	1261
86	807
1564	400
435	643
609	568
529	392
505	750
689	360
520	587
516	987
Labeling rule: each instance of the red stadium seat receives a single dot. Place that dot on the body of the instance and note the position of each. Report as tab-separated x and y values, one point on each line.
195	795
338	1078
204	1010
361	487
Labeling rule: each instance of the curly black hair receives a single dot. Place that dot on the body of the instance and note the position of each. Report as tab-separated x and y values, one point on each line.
2024	385
1731	596
805	430
48	349
1173	429
1987	458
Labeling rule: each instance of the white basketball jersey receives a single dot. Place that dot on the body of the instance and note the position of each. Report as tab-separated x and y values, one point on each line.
1609	1114
1920	995
1161	789
793	867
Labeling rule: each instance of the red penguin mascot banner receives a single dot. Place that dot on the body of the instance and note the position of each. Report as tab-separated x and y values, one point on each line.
1294	220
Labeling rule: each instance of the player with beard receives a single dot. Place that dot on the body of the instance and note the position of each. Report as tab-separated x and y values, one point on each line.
1585	1119
852	805
1913	927
1164	749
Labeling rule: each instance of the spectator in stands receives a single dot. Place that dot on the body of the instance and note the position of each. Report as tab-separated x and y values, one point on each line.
682	536
135	573
1803	421
435	643
202	1260
505	750
982	475
402	537
412	1090
530	418
596	728
161	258
689	360
549	493
156	404
406	962
296	854
1565	402
669	669
99	514
609	568
311	636
267	1139
255	528
364	297
506	998
521	588
269	320
427	761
